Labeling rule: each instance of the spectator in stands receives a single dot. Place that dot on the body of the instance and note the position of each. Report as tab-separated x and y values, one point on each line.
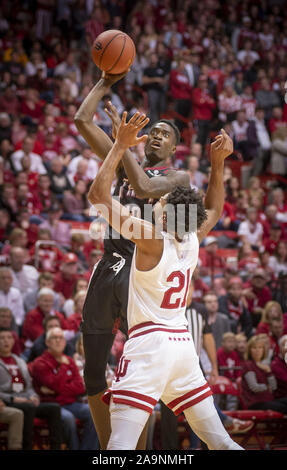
277	120
60	230
14	418
234	306
266	98
7	321
16	390
241	346
211	263
278	260
31	106
276	332
25	276
229	103
278	199
67	276
275	235
73	321
75	203
5	226
9	102
64	388
239	127
46	255
8	200
203	108
257	294
258	382
154	81
247	51
279	369
259	142
33	323
27	149
39	345
278	162
44	194
271	311
68	66
229	366
11	297
197	178
81	284
59	179
181	92
251	230
219	322
92	165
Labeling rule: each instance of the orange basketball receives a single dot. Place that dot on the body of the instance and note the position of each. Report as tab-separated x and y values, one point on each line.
113	51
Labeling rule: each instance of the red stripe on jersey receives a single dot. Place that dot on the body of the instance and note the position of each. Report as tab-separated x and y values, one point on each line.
150	323
139	396
193	392
125	401
157	329
142	325
192	402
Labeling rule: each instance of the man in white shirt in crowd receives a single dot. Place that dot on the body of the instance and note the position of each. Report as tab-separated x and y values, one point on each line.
93	165
11	297
239	127
247	52
259	142
25	277
37	165
251	230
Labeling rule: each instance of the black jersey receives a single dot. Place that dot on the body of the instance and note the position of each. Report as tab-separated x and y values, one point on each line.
114	242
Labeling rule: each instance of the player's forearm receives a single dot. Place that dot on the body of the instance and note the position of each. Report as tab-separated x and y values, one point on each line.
89	106
214	198
210	348
100	190
139	181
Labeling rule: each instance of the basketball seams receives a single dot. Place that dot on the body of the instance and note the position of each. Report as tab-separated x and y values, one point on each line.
118	34
123	48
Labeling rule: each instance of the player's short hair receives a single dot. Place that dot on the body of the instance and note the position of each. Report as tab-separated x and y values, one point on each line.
187	200
173	126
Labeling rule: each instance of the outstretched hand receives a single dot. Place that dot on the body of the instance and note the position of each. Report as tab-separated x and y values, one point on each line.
113	114
221	148
128	131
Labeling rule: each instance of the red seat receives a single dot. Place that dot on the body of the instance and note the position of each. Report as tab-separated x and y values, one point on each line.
268	424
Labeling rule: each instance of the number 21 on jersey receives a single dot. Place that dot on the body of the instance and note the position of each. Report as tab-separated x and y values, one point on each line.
183	285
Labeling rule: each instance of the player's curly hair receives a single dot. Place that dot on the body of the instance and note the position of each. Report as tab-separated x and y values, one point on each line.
189	210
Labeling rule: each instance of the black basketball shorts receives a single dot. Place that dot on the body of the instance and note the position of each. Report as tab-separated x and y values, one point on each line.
105	309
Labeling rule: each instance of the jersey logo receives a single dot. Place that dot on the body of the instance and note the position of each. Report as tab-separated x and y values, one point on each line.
122	368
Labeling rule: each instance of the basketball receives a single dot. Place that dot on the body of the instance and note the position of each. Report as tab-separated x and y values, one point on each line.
113	51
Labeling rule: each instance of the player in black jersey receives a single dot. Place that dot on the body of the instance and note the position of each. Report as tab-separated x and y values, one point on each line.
107	297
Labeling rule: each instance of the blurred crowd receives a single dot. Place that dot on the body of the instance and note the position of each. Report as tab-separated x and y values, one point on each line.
207	65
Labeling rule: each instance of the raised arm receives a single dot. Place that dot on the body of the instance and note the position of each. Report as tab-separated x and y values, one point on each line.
97	139
220	149
101	144
99	194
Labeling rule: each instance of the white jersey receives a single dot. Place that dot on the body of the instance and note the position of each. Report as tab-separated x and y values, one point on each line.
159	295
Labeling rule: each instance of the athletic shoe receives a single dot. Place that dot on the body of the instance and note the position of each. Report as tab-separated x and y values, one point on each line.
239	427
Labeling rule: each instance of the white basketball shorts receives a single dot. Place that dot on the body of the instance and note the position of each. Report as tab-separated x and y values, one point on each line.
158	362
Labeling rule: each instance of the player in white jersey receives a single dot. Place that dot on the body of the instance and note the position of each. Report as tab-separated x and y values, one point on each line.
159	358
